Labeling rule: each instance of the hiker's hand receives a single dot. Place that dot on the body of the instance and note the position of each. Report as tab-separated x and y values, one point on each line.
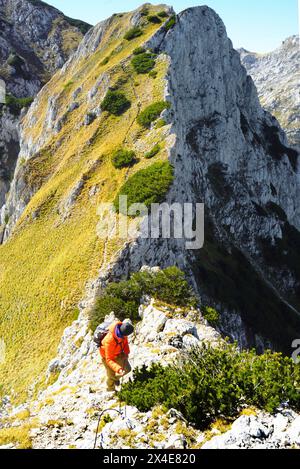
122	372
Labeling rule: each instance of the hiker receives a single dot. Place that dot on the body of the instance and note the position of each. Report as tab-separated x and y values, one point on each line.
114	350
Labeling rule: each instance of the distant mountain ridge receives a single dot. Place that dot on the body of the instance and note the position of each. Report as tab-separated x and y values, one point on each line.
277	78
36	39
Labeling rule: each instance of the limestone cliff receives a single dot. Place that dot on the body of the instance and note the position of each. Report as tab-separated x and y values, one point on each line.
232	155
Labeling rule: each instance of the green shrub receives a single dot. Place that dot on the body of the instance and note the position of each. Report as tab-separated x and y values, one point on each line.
144	62
133	33
105	61
155	150
68	84
115	102
123	158
145	12
153	74
15	105
160	123
171	22
104	306
211	382
169	286
154	19
139	50
151	113
211	315
163	14
148	185
124	298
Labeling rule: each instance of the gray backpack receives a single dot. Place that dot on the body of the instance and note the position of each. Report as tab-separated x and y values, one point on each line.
101	332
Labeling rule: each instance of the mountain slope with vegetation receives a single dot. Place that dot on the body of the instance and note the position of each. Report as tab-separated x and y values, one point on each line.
159	108
35	41
176	399
61	178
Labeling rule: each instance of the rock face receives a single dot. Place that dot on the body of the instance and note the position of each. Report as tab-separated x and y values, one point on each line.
228	153
9	149
35	41
277	78
260	431
233	156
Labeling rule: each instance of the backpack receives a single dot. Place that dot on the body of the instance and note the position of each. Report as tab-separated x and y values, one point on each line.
101	332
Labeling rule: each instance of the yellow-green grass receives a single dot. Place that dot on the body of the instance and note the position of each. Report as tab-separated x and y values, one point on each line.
45	265
18	436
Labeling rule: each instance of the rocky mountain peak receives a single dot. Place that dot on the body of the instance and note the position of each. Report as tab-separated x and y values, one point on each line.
276	76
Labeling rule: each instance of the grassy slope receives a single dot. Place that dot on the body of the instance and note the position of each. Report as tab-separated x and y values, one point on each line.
47	262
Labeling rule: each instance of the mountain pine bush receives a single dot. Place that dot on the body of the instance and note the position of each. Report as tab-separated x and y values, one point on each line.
162	14
144	62
115	102
147	186
170	23
153	152
216	382
123	158
169	286
145	11
133	33
211	315
139	50
15	105
151	113
154	19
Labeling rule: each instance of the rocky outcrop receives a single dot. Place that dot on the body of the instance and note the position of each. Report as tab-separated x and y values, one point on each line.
35	41
276	76
69	413
260	431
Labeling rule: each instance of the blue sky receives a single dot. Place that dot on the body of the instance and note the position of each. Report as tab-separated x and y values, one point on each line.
257	25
